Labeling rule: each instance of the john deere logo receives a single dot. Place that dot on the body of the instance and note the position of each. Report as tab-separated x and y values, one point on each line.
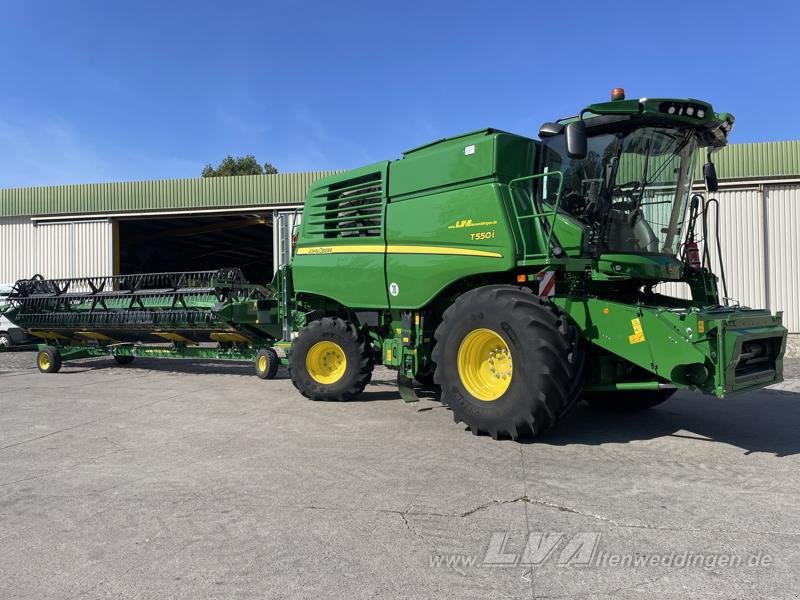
470	223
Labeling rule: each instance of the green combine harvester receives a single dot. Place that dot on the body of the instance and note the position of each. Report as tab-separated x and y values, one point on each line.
518	275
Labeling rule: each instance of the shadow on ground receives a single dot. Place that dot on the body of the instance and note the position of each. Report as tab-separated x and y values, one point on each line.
762	421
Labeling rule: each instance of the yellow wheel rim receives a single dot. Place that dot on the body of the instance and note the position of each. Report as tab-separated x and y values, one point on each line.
44	361
262	364
326	362
484	364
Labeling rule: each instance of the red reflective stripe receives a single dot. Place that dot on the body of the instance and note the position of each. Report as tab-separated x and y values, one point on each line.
547	286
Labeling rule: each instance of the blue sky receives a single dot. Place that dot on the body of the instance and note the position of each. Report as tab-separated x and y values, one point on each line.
104	91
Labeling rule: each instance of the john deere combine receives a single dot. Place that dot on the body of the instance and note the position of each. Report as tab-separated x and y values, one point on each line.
519	275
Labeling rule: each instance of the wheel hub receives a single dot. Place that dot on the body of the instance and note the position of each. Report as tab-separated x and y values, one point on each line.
484	364
326	362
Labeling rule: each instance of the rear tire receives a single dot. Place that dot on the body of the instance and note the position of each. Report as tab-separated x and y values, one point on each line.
482	335
627	401
123	359
49	360
330	360
266	363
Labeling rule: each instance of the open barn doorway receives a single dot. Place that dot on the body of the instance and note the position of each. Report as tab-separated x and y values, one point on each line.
196	243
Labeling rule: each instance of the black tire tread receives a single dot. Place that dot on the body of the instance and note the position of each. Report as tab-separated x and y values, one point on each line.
359	377
272	363
55	359
555	342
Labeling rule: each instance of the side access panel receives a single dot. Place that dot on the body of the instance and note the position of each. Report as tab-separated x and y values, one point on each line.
436	239
446	218
341	250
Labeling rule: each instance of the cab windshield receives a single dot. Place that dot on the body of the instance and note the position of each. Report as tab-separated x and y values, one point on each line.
631	189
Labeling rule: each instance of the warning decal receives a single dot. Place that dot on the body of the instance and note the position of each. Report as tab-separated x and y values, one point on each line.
638	334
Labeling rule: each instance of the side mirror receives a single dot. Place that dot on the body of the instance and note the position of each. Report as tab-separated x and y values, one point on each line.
576	140
710	175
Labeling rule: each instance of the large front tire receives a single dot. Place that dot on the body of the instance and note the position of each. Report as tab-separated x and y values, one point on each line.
330	360
509	363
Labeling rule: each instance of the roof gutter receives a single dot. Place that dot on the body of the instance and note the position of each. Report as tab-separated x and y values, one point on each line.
164	213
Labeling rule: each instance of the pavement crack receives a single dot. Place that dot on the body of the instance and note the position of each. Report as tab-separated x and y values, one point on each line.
615	523
92	421
491	503
428	543
648	581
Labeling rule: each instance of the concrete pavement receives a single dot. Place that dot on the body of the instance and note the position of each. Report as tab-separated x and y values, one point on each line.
188	480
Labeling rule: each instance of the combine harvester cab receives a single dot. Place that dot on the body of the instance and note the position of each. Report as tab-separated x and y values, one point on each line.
203	314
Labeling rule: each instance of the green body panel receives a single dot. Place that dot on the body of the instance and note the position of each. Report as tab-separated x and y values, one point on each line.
641	266
569	233
444	164
352	279
445	218
471	219
673	346
332	259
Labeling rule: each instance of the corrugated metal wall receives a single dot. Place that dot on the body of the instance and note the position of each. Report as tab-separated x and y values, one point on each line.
54	249
783	254
16	249
73	249
742	239
760	239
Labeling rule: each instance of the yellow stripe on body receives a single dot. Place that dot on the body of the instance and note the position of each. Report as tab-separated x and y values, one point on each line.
397	249
441	250
361	249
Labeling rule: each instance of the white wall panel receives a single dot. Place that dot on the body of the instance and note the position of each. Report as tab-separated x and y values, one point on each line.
16	248
783	252
73	249
742	239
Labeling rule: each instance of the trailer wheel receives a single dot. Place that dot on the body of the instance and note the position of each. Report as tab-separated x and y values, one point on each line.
330	360
266	363
509	362
5	340
49	360
123	359
627	401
